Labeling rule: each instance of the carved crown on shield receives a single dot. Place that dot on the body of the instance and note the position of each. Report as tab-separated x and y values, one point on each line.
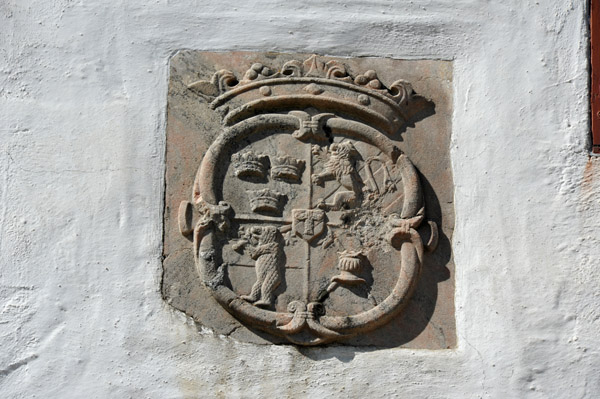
309	83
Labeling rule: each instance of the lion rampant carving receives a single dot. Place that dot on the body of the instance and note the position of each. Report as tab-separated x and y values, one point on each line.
341	167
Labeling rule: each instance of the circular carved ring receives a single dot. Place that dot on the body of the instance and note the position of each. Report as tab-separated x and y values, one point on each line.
306	323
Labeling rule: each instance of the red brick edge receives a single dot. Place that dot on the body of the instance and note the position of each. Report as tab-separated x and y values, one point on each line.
595	69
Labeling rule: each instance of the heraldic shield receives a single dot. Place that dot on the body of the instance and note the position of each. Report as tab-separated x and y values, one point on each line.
303	206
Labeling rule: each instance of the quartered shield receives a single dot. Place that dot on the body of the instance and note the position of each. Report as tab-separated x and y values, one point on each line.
308	224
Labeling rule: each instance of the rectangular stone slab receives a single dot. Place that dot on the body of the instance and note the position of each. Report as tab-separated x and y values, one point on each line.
428	320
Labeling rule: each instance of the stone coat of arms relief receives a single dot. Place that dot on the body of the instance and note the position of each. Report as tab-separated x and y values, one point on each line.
306	220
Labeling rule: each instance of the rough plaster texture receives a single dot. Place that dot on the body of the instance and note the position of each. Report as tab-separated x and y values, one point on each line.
82	116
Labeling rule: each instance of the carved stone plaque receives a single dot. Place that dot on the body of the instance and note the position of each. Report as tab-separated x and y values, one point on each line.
309	199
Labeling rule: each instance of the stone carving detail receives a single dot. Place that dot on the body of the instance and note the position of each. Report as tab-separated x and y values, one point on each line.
341	201
249	164
265	200
308	223
223	81
341	166
266	251
287	168
350	265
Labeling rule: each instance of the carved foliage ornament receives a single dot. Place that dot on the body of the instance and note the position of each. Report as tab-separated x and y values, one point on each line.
298	210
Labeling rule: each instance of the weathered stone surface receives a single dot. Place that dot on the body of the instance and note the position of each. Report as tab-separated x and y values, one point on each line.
307	208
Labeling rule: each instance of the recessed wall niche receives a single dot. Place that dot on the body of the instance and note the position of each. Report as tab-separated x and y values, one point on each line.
309	199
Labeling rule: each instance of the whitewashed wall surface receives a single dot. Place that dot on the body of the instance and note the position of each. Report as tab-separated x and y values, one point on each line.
83	89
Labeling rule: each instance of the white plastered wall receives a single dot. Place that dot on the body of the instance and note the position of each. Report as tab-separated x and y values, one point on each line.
82	137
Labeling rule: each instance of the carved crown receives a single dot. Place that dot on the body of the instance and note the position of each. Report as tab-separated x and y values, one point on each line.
286	167
265	200
314	82
249	164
